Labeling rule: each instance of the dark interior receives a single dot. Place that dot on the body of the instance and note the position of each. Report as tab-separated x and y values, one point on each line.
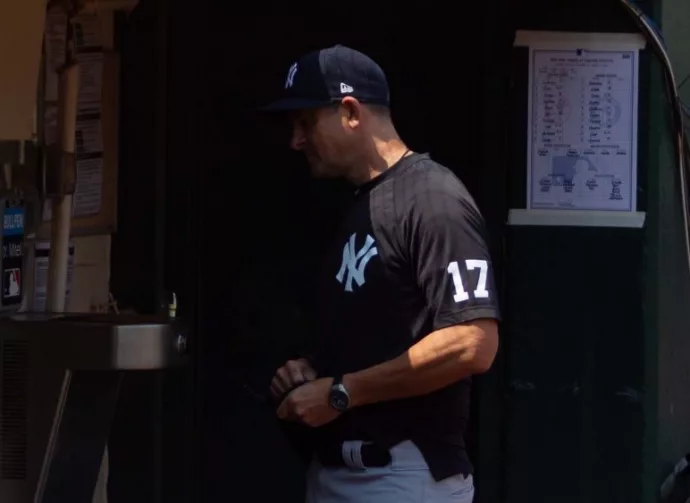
240	225
278	220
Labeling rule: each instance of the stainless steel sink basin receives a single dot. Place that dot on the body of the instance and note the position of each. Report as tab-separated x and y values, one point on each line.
98	341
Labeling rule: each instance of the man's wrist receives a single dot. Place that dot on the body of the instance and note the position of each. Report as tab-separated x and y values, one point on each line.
338	396
354	390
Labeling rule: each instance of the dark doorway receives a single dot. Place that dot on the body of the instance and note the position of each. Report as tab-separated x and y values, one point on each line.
265	222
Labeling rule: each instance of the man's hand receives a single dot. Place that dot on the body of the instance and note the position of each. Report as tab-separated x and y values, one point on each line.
309	404
289	376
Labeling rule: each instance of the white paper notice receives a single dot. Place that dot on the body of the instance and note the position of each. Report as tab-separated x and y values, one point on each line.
41	261
90	76
88	196
582	147
88	135
56	37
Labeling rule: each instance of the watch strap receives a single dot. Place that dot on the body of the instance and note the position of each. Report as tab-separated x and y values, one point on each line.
337	380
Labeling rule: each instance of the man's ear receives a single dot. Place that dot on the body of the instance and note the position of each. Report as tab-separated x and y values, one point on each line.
353	111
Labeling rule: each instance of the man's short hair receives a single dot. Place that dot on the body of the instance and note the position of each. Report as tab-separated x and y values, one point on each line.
380	111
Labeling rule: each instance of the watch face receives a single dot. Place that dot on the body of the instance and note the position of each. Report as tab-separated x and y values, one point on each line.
339	400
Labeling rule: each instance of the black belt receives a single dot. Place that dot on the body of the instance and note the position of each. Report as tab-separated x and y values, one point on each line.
373	455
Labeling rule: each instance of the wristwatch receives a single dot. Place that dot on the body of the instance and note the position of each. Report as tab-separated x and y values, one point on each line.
339	397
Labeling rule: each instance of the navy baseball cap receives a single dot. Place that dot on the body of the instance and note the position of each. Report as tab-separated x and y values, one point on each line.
326	76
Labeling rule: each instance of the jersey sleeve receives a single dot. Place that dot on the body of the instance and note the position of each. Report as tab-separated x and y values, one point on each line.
450	259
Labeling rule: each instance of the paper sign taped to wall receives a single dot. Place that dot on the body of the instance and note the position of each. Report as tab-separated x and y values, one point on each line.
582	121
40	286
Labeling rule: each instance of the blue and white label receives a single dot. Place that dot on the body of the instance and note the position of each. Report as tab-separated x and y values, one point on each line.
13	222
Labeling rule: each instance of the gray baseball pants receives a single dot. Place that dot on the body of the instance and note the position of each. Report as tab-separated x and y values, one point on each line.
405	480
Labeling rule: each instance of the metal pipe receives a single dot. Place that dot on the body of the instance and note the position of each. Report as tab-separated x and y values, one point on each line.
62	204
677	110
7	175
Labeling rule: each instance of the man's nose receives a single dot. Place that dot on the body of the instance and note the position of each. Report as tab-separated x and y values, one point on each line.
298	139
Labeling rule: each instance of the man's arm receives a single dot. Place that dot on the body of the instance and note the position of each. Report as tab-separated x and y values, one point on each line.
445	245
439	359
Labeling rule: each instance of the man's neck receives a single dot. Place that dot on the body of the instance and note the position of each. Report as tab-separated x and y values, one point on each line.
383	156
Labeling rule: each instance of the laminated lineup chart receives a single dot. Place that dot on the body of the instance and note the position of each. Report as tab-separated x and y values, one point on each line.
583	134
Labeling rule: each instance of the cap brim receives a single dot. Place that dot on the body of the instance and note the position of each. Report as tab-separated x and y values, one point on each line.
292	104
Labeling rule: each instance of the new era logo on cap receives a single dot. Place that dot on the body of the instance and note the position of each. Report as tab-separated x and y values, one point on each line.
322	77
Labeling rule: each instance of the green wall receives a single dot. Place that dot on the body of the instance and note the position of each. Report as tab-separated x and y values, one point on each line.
597	332
667	254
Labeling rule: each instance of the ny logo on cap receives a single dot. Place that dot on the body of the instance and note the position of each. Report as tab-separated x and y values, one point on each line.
291	76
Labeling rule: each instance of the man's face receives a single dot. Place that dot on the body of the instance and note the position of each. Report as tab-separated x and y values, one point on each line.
326	137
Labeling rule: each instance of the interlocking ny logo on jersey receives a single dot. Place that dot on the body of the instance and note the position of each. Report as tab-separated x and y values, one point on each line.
355	262
290	79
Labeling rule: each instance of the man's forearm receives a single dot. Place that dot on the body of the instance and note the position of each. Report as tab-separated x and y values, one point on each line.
439	359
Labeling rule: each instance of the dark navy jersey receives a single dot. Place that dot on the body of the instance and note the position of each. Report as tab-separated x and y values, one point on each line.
410	259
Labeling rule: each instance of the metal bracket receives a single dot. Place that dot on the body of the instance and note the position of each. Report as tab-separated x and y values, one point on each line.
78	437
60	172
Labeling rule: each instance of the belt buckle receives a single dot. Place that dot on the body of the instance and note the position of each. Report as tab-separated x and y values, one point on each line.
359	455
351	452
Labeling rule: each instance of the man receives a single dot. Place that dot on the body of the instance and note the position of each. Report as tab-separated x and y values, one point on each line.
409	309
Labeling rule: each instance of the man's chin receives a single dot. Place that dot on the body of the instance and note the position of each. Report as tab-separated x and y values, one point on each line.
320	171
